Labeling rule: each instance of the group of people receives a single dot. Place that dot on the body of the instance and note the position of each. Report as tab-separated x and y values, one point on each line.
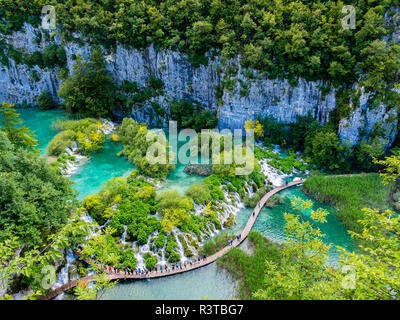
143	271
230	242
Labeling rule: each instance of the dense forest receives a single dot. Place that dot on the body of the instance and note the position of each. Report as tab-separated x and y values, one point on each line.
281	38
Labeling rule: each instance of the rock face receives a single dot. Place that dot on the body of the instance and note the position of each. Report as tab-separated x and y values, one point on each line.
204	170
262	97
368	118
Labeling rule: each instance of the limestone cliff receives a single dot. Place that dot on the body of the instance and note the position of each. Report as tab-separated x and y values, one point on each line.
249	97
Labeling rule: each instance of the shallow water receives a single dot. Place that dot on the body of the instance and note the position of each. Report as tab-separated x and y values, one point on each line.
41	123
180	180
209	281
271	223
101	167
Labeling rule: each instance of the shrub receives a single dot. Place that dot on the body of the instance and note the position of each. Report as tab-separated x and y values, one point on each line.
60	142
193	116
45	101
150	261
127	259
200	193
220	241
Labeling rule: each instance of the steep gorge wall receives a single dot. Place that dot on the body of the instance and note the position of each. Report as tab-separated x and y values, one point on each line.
263	97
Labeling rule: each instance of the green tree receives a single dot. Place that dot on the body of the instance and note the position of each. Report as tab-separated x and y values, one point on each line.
13	127
25	269
138	141
45	101
304	257
390	174
325	150
35	200
374	273
200	193
90	89
103	247
192	115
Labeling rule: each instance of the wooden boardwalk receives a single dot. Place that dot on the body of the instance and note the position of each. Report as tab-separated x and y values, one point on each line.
203	262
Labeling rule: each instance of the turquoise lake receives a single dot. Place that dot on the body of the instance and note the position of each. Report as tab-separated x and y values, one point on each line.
209	281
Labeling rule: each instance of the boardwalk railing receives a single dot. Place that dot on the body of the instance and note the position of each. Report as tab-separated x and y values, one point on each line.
157	274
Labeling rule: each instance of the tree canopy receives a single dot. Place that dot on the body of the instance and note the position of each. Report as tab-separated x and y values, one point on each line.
89	89
35	201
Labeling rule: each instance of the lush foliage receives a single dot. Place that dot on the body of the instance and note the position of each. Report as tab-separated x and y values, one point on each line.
89	90
391	174
103	248
18	134
174	209
147	150
35	200
87	133
217	243
248	269
193	116
303	265
283	164
126	202
349	194
33	269
281	38
45	101
321	145
236	161
256	126
200	193
298	270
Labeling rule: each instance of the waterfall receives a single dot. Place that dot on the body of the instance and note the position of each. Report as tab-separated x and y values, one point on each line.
146	247
107	126
63	276
248	189
104	225
198	209
274	176
124	235
72	166
193	249
180	247
138	256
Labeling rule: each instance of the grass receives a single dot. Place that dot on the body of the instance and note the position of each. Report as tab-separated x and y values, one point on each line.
349	194
217	243
248	269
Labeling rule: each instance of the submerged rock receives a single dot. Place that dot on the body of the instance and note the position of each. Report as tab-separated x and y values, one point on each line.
204	170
